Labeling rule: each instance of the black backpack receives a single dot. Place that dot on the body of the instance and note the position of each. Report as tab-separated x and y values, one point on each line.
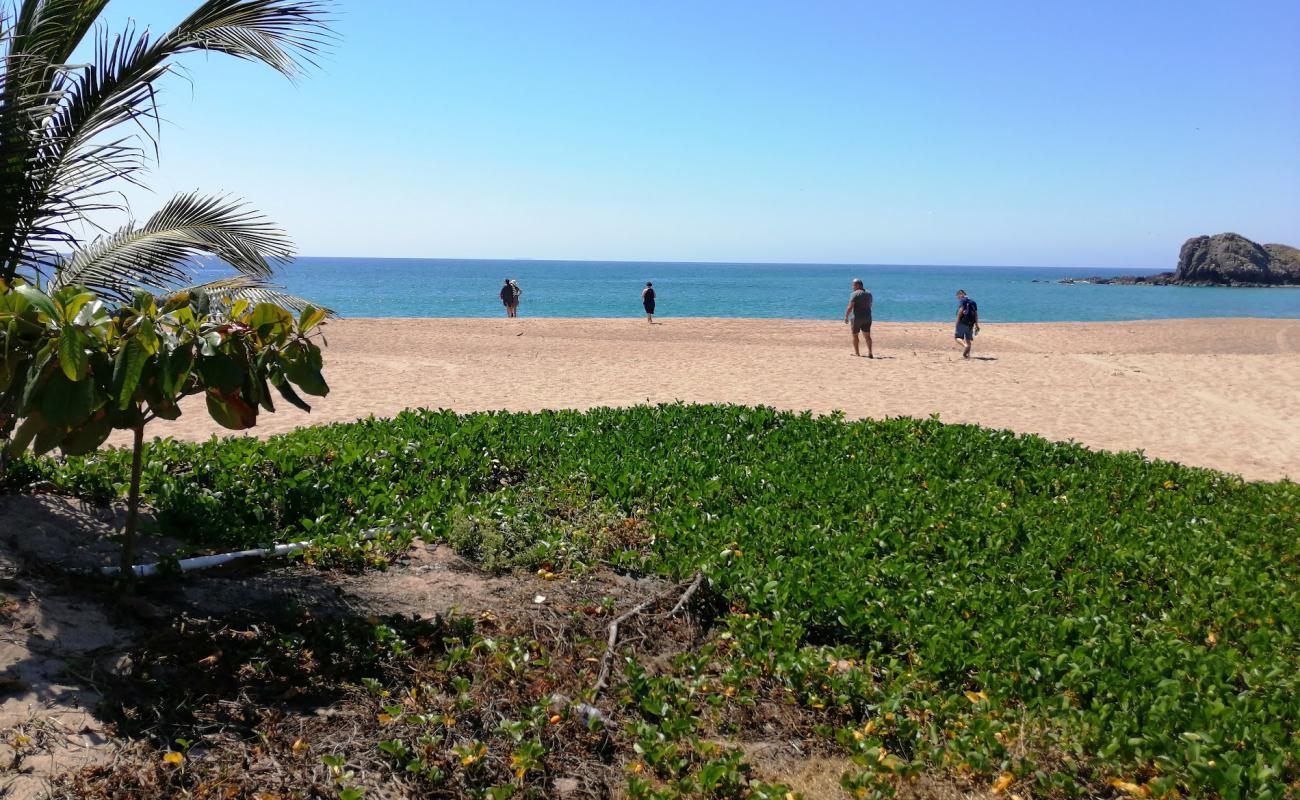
971	316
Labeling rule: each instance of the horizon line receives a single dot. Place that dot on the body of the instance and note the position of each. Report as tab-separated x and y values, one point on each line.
725	263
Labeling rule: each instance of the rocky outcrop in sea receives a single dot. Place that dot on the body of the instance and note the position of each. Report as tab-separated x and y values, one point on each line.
1225	259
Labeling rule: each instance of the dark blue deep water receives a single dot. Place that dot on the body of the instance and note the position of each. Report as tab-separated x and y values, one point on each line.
381	287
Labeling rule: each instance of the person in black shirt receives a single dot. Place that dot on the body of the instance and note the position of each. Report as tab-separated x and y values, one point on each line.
860	309
648	301
508	298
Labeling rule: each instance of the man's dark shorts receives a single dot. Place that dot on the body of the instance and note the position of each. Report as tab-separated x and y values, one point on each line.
861	325
964	332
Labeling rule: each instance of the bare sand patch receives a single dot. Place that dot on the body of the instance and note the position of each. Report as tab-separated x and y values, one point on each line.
1217	393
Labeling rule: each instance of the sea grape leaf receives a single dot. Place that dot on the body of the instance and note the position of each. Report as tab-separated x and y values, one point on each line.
270	321
88	437
72	353
31	425
39	299
127	369
230	411
287	392
220	372
64	403
311	317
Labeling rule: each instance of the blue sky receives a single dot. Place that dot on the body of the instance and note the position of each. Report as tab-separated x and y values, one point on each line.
1068	134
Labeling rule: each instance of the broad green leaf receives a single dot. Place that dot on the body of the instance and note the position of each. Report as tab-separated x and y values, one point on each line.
175	301
176	369
142	301
201	302
37	373
127	370
264	394
270	321
303	365
220	372
147	335
163	409
64	403
88	437
310	317
286	391
72	353
40	300
230	411
47	439
308	379
72	305
31	425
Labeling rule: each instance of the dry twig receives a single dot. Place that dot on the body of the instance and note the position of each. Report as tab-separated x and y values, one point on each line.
602	679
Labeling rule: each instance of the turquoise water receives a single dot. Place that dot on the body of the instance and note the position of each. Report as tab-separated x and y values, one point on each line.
378	287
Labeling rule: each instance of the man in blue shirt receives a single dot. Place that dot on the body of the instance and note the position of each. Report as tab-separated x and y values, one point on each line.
968	322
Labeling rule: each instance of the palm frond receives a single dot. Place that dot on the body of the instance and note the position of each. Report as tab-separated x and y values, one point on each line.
50	30
228	291
283	34
56	120
160	253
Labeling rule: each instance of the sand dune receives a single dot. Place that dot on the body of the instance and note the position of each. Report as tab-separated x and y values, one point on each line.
1218	393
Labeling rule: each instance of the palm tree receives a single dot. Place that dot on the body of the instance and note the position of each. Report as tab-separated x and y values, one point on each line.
71	136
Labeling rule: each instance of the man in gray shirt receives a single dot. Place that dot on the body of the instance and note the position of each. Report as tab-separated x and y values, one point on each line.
860	309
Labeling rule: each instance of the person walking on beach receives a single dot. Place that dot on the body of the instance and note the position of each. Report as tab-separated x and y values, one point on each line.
514	307
968	322
508	297
648	300
860	309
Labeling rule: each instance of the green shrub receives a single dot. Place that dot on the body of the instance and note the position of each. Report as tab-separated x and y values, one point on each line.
1136	618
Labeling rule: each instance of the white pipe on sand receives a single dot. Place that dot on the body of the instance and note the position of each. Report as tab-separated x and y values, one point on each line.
208	562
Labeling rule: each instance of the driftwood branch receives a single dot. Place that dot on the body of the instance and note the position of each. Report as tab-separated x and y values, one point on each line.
687	595
602	679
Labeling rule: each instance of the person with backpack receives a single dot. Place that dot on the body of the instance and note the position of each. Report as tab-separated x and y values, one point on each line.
859	310
648	301
968	322
514	307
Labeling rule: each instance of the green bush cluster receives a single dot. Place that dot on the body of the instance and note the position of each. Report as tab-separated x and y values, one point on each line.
1137	620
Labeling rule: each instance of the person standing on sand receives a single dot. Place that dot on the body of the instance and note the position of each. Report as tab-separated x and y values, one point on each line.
968	322
648	300
514	306
860	309
508	298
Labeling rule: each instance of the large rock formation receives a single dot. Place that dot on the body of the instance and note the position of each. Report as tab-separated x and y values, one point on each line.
1225	259
1234	260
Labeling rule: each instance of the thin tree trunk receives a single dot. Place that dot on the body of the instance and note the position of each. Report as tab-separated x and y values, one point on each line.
7	423
133	505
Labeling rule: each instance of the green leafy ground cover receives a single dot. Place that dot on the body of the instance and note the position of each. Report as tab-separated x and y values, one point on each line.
950	598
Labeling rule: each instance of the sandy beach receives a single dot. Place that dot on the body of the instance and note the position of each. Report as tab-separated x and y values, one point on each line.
1220	393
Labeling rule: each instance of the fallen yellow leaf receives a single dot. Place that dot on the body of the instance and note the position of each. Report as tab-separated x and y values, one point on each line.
173	758
1000	785
1130	789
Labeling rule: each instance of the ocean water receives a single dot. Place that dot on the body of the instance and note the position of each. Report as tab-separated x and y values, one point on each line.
381	287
